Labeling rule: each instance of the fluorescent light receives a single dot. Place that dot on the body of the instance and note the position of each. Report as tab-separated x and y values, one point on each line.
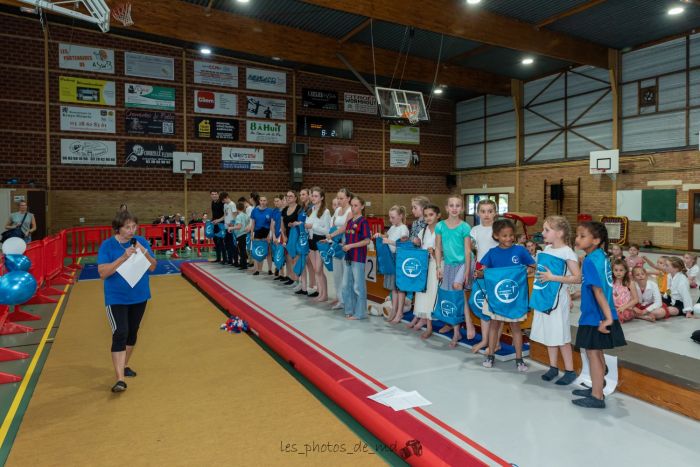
437	91
242	1
205	50
277	59
676	10
473	2
528	61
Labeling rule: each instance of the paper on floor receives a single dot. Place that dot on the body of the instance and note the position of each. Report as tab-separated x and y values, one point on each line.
398	399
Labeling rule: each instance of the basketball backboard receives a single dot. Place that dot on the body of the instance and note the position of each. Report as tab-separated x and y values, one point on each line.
605	162
401	104
92	11
187	162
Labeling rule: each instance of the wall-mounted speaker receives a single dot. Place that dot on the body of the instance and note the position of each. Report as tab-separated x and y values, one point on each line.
556	192
451	180
301	149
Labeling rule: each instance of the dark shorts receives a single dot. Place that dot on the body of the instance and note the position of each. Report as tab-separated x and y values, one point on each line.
261	234
588	337
313	242
668	301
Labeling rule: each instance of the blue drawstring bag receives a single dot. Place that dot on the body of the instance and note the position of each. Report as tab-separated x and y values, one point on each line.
545	296
293	241
449	306
259	250
299	265
278	255
412	269
385	259
337	245
248	242
477	298
209	229
324	249
303	243
507	291
221	233
405	244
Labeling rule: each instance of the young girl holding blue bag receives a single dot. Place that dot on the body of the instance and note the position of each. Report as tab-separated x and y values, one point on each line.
425	301
397	232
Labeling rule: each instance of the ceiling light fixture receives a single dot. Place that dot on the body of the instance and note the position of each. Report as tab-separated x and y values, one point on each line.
676	10
205	51
473	2
437	91
242	1
528	61
277	59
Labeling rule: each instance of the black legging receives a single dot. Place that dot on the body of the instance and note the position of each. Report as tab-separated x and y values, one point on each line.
125	321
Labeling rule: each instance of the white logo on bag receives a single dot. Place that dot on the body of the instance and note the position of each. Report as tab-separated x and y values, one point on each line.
448	308
259	251
608	274
507	291
538	285
479	299
411	267
303	240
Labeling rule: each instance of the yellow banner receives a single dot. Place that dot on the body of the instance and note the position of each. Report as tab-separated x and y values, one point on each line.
86	91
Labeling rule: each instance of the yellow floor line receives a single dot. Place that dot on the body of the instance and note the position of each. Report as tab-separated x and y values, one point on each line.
9	418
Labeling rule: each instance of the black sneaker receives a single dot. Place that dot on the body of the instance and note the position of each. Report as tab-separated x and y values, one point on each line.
301	292
315	294
582	392
256	273
269	273
590	402
278	278
288	282
120	386
128	372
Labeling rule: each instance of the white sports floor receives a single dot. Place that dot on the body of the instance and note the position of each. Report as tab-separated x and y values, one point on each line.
515	415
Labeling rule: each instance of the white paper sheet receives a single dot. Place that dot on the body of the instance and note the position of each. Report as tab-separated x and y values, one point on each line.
133	269
398	399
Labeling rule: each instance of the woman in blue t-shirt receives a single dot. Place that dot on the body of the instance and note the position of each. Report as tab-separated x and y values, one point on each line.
125	304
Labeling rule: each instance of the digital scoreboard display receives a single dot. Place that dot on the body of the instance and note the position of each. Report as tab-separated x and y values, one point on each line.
320	127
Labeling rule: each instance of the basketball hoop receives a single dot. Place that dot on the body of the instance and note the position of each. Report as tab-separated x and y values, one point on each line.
122	13
411	115
188	173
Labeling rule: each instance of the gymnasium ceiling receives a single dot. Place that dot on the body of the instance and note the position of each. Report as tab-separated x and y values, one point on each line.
476	49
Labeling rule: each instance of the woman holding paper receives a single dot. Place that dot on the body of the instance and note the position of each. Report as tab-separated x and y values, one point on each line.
125	303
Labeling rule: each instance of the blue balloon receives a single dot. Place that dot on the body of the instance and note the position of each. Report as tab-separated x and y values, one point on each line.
17	287
209	230
17	263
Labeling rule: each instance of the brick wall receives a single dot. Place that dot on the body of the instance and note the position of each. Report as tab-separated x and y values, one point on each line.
155	191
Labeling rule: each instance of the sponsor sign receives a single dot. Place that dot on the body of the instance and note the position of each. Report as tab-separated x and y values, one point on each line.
87	119
319	99
145	96
149	66
149	155
360	103
88	152
404	134
77	57
242	158
140	122
209	102
262	107
216	74
341	156
216	128
266	80
399	157
266	132
86	91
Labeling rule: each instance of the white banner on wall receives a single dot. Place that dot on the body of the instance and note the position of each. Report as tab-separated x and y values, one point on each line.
360	103
149	66
263	107
266	132
89	120
266	80
404	134
88	152
218	103
242	158
399	157
77	57
216	74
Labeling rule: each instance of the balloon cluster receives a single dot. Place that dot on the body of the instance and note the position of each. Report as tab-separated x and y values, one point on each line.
18	285
234	325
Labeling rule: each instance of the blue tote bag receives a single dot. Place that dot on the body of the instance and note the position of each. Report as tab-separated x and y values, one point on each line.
278	255
324	249
477	298
449	306
337	245
299	265
545	296
412	269
221	232
209	229
385	259
248	242
303	243
293	241
506	291
259	250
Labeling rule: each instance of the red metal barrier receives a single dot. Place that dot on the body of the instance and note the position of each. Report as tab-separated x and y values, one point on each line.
376	224
84	241
196	238
164	237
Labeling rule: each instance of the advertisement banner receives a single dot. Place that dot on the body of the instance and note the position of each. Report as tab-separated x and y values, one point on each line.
145	96
266	132
266	80
139	122
404	134
262	107
89	120
77	57
319	99
216	74
216	128
219	103
341	156
399	157
149	155
86	91
149	66
360	103
242	158
88	152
